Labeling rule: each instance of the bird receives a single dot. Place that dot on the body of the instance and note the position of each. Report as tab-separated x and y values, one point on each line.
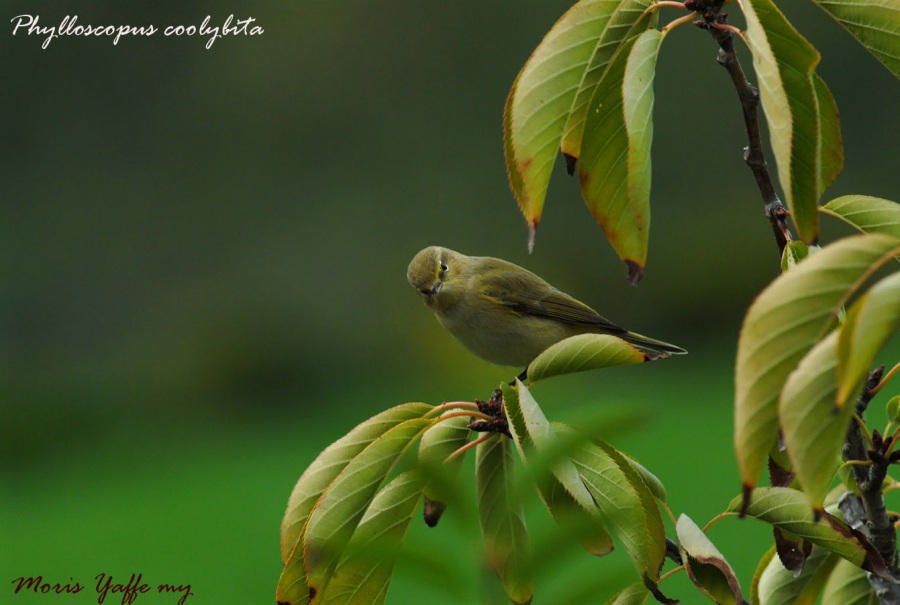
505	314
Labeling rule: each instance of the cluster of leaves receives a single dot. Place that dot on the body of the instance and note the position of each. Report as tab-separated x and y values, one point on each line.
587	90
805	351
352	507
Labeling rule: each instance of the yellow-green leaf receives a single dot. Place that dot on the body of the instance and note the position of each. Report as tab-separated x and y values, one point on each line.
635	594
789	510
557	480
778	586
812	427
502	519
438	442
292	587
550	94
581	353
706	566
783	323
757	575
337	513
793	253
615	155
802	117
364	572
629	508
868	214
872	320
875	23
848	585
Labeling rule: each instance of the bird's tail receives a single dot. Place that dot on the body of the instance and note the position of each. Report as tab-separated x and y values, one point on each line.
652	345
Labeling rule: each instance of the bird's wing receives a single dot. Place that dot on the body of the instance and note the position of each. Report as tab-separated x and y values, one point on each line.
528	294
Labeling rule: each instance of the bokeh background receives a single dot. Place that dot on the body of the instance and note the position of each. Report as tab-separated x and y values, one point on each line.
203	276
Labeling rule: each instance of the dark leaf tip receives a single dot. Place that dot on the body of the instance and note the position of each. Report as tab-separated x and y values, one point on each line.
635	272
433	511
746	496
532	233
571	162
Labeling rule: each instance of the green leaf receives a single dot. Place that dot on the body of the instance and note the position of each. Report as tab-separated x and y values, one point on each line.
830	145
364	573
706	566
629	508
548	100
801	113
848	585
789	510
581	353
876	24
872	320
778	586
557	480
615	156
812	427
793	253
868	214
893	409
783	323
437	443
757	575
337	513
292	587
502	520
635	594
655	486
624	22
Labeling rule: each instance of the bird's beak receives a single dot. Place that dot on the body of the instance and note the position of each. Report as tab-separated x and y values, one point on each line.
429	295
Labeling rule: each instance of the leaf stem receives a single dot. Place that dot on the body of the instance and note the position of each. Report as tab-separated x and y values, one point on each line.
679	21
467	414
465	448
671	572
716	519
451	405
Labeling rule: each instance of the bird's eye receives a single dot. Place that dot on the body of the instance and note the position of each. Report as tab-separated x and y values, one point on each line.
444	268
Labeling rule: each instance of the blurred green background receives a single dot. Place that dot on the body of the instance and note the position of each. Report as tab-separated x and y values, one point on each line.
204	256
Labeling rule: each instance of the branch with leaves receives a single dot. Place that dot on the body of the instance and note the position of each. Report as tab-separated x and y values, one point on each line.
806	347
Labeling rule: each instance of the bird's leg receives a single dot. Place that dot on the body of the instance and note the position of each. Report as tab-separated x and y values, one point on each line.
493	408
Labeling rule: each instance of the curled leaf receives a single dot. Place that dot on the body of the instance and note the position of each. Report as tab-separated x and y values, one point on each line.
706	566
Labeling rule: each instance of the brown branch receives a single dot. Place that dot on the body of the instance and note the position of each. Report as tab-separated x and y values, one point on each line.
716	23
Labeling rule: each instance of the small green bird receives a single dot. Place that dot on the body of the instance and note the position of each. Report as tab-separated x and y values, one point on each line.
503	313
